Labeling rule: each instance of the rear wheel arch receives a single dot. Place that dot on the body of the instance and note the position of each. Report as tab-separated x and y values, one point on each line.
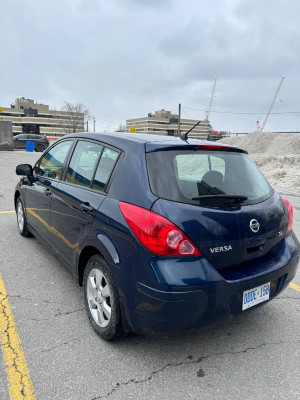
85	255
104	247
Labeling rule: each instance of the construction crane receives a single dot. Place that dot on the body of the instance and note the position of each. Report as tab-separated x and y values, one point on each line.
211	100
261	128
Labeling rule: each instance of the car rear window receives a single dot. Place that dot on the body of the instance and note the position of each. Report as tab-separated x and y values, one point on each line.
184	175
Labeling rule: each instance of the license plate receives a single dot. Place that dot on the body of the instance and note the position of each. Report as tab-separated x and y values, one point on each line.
255	296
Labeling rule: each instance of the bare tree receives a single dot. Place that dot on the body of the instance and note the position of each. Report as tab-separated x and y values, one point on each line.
78	114
121	128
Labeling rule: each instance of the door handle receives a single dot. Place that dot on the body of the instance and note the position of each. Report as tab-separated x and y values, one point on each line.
86	207
47	192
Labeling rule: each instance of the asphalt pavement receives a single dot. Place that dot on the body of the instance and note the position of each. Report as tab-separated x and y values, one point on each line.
253	356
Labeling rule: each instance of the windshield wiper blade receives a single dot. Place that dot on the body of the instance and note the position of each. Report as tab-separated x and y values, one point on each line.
234	197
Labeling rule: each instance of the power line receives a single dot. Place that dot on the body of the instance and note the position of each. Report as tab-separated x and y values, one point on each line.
245	113
110	120
175	109
186	113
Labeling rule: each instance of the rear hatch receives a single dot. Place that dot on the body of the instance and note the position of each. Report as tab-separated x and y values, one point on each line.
217	196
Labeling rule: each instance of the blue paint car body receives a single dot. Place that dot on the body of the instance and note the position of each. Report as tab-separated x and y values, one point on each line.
161	294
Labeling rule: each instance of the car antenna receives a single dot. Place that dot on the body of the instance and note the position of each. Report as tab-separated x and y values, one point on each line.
185	135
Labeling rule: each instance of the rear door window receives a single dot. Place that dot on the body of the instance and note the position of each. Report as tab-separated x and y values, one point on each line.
83	163
106	165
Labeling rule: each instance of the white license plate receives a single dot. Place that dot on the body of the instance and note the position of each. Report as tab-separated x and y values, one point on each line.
255	296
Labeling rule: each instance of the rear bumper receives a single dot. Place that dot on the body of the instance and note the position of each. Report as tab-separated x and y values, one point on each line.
193	294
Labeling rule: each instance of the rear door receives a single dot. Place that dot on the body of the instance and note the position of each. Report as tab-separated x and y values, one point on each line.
228	233
77	198
224	236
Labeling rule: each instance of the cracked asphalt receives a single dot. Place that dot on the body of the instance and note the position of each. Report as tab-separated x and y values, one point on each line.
255	355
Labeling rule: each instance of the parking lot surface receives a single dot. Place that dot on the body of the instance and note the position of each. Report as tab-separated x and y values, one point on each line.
256	355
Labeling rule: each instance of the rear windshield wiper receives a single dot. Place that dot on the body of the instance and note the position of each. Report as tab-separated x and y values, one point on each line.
233	197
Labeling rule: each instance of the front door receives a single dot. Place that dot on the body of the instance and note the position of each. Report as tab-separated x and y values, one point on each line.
20	141
39	192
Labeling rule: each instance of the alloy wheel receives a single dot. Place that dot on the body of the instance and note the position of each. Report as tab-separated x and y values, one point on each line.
20	216
99	297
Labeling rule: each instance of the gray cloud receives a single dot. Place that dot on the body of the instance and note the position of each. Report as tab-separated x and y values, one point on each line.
126	58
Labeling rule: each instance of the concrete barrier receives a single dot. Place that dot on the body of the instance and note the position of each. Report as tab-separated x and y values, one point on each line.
6	137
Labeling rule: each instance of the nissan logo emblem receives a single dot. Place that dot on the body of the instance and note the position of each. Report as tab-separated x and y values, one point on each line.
254	225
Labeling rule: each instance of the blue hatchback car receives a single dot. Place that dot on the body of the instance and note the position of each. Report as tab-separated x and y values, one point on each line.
165	235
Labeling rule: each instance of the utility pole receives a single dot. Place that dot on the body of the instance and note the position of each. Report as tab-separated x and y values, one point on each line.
179	113
94	120
87	126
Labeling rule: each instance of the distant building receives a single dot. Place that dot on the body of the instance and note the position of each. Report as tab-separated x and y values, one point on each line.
29	117
165	123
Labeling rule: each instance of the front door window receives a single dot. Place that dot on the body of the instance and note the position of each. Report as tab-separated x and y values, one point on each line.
51	164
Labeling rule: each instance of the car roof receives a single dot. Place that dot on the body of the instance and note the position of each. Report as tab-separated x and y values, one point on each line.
122	139
30	134
124	136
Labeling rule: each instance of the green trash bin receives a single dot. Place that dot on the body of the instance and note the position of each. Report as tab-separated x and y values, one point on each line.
29	146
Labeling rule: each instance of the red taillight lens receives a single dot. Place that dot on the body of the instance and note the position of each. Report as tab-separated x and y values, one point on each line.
47	140
156	233
290	214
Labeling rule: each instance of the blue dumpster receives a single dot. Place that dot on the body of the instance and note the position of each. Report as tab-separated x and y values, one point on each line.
29	146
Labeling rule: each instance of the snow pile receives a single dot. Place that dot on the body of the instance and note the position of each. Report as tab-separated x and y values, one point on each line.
277	155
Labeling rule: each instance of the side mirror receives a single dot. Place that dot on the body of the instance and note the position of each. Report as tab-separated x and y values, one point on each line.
24	169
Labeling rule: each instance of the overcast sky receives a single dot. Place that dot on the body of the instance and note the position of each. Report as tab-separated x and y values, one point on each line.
126	58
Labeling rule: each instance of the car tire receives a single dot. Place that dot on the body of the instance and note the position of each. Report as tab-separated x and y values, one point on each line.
21	219
101	299
40	147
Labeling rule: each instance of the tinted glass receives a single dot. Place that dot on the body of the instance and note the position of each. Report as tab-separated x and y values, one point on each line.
105	167
51	164
184	175
83	162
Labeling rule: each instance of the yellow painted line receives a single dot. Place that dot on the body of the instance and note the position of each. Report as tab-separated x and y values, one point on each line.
294	286
7	212
19	382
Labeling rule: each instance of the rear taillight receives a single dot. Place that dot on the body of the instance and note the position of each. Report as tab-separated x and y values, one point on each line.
47	140
290	215
156	233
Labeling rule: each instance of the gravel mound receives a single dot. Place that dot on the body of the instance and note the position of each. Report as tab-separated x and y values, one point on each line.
277	155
